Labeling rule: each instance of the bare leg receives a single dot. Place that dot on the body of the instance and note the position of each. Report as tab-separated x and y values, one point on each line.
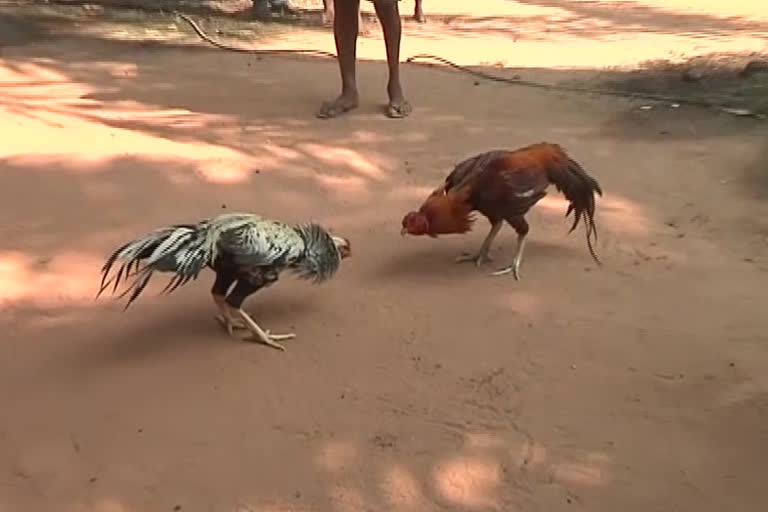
388	13
260	334
521	227
345	27
221	285
327	11
418	13
482	255
225	317
247	284
328	16
515	267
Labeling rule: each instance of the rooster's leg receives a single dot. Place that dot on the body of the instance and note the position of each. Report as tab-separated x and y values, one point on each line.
482	254
521	227
225	317
515	266
223	282
245	287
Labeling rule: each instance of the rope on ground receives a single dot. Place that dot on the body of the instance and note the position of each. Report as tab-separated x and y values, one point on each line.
588	90
205	37
487	76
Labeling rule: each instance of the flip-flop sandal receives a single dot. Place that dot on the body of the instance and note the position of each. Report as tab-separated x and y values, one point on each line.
331	109
399	111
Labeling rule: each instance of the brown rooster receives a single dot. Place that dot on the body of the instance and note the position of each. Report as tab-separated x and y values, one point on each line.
503	186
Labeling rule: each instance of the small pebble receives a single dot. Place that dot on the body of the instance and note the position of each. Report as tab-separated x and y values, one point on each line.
737	111
573	367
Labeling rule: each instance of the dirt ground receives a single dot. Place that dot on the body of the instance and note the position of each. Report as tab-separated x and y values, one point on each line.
415	384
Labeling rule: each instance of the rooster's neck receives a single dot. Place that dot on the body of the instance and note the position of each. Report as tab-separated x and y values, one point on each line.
450	224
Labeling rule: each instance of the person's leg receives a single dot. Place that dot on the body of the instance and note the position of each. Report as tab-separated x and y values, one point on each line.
345	27
389	16
327	11
418	12
328	16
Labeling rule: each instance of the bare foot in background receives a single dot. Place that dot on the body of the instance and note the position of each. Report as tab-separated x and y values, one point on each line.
345	31
344	103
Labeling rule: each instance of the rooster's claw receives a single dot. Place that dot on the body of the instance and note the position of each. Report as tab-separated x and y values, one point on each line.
513	269
477	259
229	324
271	340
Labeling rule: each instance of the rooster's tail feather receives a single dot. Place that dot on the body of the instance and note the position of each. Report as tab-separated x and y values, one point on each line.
579	189
180	249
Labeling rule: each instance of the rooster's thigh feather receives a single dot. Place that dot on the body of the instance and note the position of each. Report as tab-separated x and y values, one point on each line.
519	224
225	277
249	283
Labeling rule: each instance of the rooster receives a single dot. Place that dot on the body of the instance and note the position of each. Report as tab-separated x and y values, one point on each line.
241	248
503	186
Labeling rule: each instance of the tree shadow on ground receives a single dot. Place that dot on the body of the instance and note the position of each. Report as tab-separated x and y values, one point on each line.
631	16
238	9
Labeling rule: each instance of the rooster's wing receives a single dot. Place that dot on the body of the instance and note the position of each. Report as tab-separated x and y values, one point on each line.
499	182
467	170
261	243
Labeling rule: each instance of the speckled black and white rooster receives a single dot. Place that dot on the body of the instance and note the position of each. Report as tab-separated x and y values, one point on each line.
243	249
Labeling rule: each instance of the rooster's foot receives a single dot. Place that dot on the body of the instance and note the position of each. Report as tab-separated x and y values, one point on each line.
477	259
260	335
230	324
271	339
513	269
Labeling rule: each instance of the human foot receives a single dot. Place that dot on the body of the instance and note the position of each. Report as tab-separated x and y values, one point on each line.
399	110
337	107
398	107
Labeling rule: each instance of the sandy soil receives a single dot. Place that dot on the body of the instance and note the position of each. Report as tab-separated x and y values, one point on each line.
414	385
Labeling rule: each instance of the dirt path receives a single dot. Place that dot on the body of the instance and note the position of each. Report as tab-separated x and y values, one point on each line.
415	385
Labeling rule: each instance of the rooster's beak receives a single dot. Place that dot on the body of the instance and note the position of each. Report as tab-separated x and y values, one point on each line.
403	231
